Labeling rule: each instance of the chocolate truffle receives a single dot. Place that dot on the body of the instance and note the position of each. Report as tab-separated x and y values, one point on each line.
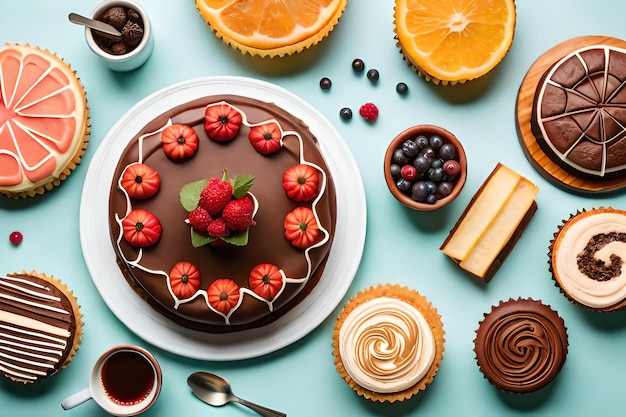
115	16
132	33
133	16
521	345
118	48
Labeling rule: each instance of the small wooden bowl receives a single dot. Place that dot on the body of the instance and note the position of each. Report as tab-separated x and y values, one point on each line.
428	131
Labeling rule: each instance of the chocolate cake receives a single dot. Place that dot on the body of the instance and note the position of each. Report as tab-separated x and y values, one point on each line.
579	112
521	345
148	269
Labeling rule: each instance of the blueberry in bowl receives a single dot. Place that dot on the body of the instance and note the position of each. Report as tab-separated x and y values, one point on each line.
425	167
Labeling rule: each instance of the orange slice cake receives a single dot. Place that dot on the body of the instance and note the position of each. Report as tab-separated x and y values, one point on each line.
453	41
44	120
271	27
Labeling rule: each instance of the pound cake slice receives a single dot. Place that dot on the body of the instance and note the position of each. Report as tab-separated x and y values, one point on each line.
492	223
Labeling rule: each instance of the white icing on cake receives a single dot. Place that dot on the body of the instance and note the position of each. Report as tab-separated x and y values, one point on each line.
386	345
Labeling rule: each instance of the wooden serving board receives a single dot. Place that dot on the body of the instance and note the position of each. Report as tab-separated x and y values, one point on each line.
523	109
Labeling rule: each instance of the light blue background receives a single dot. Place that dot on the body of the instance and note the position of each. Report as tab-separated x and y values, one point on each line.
401	245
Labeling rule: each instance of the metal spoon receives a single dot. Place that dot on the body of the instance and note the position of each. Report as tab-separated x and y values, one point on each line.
216	391
94	24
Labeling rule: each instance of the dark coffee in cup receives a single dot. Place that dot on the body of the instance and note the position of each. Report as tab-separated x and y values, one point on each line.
127	377
124	381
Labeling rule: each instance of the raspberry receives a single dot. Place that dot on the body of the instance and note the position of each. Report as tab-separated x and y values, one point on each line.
218	228
200	219
369	112
238	214
215	196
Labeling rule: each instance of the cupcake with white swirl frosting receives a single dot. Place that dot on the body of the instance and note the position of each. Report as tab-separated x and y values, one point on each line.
586	258
388	342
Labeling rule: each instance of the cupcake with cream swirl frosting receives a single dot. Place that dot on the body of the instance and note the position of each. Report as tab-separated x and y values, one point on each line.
388	342
586	259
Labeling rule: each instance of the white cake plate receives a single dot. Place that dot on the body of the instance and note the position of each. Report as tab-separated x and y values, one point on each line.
154	328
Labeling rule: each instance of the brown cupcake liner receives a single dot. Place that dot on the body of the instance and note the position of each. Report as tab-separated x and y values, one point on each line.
429	313
554	244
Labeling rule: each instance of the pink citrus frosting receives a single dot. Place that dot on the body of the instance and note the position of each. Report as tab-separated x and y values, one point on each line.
43	116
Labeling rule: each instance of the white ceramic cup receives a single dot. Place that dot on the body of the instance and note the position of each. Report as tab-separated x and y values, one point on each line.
134	368
133	59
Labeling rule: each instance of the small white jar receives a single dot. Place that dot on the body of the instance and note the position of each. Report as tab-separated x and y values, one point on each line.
133	59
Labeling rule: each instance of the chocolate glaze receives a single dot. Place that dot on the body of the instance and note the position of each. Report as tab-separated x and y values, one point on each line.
581	105
521	345
266	241
30	353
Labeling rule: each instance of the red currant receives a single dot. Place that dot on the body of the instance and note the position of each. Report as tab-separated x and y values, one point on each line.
451	167
408	172
15	238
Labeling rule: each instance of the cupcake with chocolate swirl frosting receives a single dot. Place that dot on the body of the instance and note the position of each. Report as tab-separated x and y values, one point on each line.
586	258
388	342
521	345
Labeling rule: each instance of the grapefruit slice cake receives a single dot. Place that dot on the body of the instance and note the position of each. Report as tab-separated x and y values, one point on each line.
44	120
